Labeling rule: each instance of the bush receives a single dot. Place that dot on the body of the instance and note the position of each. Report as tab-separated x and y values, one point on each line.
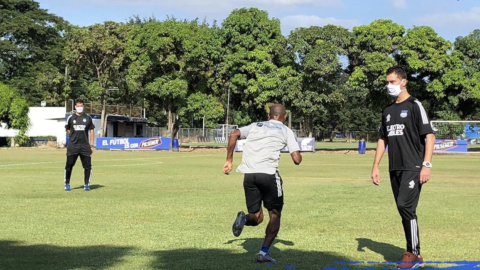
20	140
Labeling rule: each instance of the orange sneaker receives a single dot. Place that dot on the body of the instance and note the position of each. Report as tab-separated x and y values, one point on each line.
411	261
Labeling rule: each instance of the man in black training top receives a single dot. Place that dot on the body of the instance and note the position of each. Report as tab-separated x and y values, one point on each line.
78	126
407	132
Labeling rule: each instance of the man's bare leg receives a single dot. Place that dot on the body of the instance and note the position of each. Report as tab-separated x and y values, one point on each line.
254	219
270	234
273	227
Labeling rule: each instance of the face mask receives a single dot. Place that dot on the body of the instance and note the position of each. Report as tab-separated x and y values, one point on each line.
394	89
79	109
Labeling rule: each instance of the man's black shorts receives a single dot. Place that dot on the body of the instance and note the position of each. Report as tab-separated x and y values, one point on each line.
263	187
79	149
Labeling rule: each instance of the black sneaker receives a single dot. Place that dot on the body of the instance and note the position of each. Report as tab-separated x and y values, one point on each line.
238	224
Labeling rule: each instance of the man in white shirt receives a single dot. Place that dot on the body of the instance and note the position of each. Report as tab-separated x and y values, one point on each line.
262	182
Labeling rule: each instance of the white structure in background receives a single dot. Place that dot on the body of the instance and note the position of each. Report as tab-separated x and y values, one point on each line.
50	121
44	121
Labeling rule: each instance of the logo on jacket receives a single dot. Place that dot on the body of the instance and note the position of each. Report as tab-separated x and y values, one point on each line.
84	120
388	118
411	184
404	113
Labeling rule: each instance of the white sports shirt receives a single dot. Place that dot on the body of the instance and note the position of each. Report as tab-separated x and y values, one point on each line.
264	140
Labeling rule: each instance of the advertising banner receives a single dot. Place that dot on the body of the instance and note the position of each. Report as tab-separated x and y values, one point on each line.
305	144
116	143
450	146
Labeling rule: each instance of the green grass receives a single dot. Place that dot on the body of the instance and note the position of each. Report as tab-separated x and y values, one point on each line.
165	210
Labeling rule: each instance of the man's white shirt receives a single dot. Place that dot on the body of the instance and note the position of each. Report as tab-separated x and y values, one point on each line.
264	140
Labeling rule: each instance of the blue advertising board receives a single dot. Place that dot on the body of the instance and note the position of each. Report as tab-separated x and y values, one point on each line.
305	144
472	132
119	143
450	146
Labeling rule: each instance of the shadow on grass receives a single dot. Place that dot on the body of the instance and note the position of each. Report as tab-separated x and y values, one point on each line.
393	255
388	251
16	255
227	259
92	187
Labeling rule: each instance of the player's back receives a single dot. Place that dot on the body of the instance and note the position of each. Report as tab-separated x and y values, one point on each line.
261	151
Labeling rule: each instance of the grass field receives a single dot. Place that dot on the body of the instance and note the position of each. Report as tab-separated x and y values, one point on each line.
165	210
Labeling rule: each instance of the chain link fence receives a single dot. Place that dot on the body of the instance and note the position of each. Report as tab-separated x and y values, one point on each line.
157	132
197	135
347	136
96	108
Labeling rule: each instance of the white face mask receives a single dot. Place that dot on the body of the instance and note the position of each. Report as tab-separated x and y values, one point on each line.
79	109
394	89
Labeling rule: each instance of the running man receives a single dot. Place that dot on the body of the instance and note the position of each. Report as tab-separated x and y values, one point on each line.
262	182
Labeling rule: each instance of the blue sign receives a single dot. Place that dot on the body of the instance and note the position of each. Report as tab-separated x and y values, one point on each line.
119	143
450	146
305	145
472	132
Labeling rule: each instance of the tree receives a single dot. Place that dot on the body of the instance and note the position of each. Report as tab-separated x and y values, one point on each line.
31	42
462	79
97	52
320	91
173	62
426	57
204	107
375	48
251	68
13	109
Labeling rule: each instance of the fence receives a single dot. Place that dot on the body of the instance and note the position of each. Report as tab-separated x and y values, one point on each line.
157	132
346	136
194	135
210	135
96	108
191	135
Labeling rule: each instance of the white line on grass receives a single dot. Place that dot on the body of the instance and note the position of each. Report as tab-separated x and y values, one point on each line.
93	159
114	165
20	164
96	160
126	165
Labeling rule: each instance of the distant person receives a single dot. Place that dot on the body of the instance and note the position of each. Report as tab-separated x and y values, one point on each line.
262	182
407	132
79	126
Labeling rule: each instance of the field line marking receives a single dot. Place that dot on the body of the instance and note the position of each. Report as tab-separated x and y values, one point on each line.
20	164
126	165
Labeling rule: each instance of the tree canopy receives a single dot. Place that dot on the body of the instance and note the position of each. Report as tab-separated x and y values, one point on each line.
31	42
13	109
186	72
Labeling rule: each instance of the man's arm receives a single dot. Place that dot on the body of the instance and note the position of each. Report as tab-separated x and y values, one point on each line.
296	157
92	132
67	126
425	172
232	141
293	147
425	129
378	157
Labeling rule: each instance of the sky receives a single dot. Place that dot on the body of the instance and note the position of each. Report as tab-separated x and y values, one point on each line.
449	18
